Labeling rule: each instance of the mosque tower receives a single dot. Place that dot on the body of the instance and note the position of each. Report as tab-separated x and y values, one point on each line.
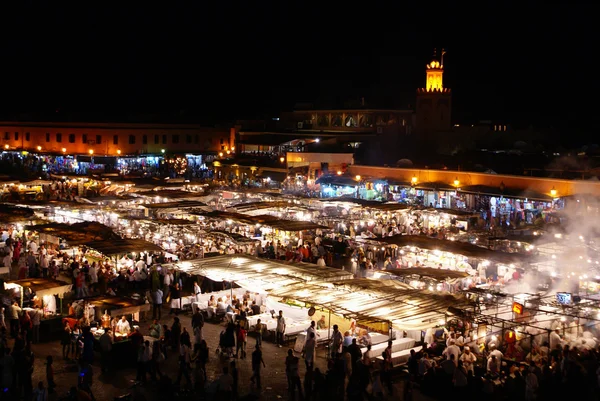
434	102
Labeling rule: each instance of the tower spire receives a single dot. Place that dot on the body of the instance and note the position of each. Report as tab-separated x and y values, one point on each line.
442	58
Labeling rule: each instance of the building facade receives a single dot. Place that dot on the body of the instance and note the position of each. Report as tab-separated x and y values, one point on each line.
114	139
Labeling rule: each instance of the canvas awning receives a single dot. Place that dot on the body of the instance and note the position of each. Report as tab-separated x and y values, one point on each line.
371	301
123	246
256	273
42	286
461	248
119	305
78	233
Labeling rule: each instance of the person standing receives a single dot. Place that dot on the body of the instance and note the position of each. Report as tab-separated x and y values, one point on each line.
15	311
105	349
258	329
337	340
157	301
257	361
35	321
197	291
280	329
309	350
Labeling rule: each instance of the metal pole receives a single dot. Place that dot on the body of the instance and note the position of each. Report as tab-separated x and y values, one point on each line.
329	331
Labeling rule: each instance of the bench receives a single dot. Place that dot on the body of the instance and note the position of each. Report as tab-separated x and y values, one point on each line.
400	357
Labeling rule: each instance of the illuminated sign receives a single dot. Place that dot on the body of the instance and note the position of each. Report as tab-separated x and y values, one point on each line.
517	308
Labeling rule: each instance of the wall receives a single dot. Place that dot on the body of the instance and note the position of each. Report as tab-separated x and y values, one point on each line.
80	138
302	159
542	185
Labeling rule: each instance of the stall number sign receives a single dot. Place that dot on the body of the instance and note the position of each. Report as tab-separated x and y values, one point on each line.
517	308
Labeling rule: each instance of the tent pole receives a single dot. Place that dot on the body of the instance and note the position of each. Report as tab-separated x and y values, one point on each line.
329	329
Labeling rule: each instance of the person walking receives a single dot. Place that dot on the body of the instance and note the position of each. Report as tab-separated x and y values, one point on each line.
257	361
280	329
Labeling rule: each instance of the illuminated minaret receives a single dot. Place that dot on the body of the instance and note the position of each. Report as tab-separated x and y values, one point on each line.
434	101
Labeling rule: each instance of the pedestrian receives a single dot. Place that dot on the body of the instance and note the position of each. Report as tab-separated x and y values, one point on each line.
40	393
280	329
35	321
309	351
241	335
258	329
50	374
157	304
257	361
291	369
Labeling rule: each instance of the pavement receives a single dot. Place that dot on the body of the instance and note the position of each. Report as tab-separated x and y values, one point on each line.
121	380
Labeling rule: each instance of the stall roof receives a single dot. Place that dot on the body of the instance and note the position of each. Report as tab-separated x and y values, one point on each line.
244	207
184	204
119	305
42	286
371	204
11	213
514	193
123	246
337	180
171	193
78	233
262	274
462	248
263	219
435	186
453	212
233	236
438	274
375	300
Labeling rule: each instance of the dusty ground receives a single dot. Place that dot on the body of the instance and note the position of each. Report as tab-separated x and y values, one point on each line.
121	379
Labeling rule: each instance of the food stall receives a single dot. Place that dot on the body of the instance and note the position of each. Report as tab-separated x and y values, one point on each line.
41	292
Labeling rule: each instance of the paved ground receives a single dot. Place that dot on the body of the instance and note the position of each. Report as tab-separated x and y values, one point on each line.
120	381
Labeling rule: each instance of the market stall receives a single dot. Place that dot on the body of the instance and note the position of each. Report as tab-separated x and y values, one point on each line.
42	293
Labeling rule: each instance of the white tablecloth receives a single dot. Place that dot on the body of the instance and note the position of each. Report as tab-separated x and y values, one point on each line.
399	344
264	317
401	357
322	336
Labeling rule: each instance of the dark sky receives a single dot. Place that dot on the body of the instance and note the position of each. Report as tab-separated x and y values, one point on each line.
522	65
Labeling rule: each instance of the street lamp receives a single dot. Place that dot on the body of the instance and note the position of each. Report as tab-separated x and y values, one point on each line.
162	151
91	151
414	180
118	151
6	146
39	148
64	150
220	154
282	159
456	182
357	178
553	192
339	172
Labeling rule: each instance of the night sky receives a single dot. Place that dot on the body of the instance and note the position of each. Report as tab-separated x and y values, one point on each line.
519	65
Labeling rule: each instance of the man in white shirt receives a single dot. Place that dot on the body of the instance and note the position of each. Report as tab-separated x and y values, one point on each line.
468	359
321	262
33	247
452	349
280	329
258	299
555	339
168	279
123	327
